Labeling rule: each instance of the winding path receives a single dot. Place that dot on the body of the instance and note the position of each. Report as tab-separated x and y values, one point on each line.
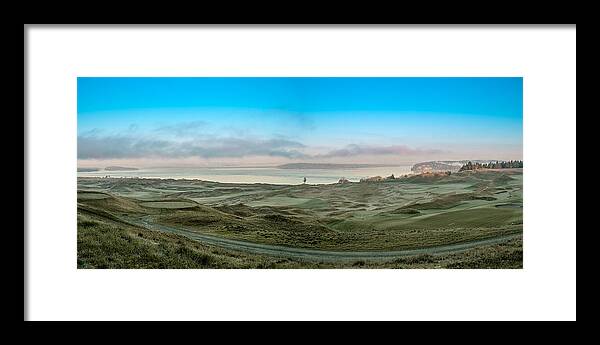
315	254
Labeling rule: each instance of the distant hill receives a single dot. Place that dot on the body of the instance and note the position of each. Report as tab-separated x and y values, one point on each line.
326	166
87	169
118	168
442	166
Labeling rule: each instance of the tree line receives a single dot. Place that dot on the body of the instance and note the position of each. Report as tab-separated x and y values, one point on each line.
492	165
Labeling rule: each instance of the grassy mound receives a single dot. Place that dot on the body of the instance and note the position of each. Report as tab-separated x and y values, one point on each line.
102	243
406	210
447	201
397	215
168	204
91	195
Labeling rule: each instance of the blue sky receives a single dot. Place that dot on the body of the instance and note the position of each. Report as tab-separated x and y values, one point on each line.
248	121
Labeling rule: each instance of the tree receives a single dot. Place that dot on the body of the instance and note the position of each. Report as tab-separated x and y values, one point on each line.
492	165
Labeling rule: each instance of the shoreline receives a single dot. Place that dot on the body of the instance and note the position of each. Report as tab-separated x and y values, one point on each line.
183	179
267	176
188	179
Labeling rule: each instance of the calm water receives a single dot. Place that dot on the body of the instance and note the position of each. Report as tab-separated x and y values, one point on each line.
257	175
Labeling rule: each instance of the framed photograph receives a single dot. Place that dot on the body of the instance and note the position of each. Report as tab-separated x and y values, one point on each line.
311	167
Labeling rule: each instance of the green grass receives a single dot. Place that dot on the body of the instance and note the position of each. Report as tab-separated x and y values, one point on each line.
417	212
448	201
107	244
485	217
91	195
168	204
279	201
